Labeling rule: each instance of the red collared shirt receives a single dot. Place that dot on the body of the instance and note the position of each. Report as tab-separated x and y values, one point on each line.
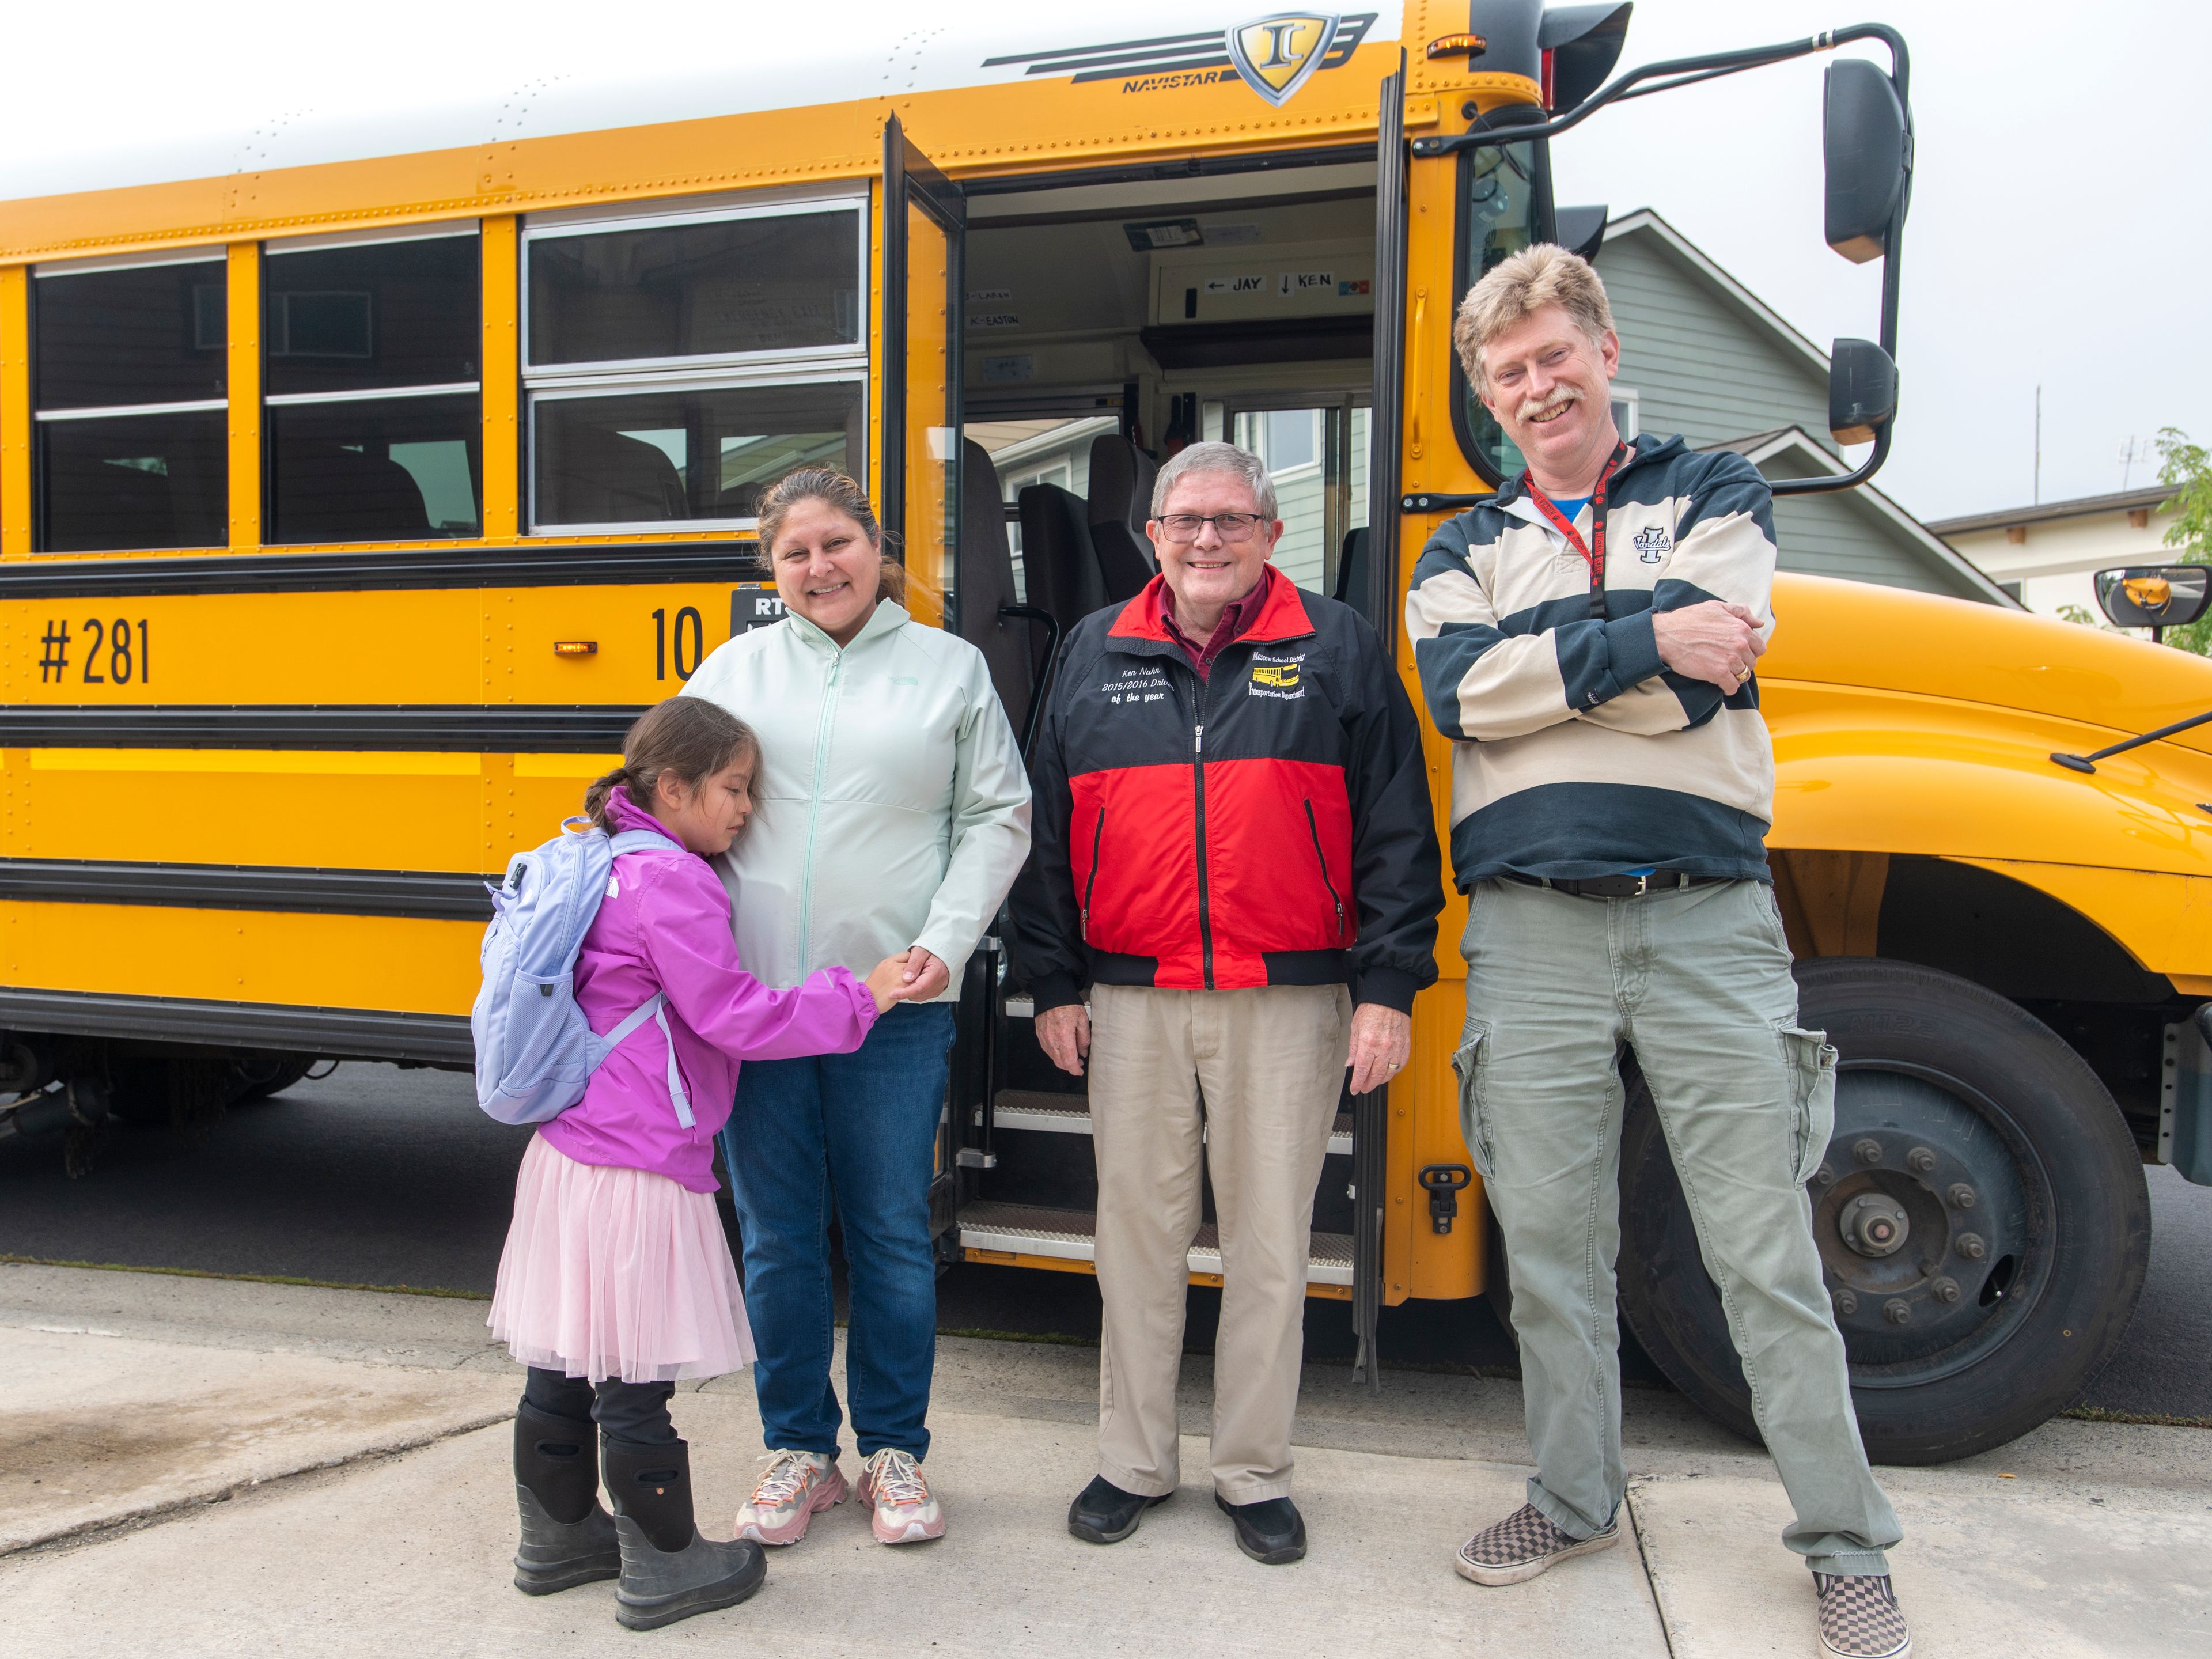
1236	616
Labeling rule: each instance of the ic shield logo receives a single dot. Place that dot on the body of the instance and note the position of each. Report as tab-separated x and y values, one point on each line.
1275	55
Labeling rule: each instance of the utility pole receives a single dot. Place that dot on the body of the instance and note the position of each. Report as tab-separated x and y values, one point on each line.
2038	444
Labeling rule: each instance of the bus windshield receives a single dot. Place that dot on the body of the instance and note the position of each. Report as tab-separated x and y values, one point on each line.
1501	200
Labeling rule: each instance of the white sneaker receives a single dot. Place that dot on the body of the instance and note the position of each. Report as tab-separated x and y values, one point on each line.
905	1511
794	1488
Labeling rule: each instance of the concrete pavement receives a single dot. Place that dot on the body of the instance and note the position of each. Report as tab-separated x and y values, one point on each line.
201	1467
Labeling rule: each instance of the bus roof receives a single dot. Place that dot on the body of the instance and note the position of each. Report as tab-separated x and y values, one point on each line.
585	80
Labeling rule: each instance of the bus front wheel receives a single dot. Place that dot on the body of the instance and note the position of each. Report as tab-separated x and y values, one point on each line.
1981	1217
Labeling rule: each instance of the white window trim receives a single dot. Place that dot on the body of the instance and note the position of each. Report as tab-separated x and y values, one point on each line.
374	394
1634	399
121	412
93	267
330	241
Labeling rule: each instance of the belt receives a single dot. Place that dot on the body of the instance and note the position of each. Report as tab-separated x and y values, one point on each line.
1612	887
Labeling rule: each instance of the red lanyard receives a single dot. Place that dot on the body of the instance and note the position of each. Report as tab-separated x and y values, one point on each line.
1592	551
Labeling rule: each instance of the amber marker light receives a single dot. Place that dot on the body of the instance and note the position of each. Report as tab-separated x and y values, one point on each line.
1458	46
575	647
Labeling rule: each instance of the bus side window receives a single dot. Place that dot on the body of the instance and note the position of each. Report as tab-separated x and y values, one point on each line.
129	378
677	366
371	383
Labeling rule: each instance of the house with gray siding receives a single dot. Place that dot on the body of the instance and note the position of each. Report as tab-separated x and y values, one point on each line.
1701	355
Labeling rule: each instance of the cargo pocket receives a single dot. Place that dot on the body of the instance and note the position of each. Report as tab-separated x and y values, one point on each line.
1468	1061
1811	1063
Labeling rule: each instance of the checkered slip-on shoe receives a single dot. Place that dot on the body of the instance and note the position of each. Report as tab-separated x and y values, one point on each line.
1859	1617
1521	1546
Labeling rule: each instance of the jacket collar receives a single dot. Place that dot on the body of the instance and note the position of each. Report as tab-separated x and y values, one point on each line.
1511	498
888	616
1283	617
624	813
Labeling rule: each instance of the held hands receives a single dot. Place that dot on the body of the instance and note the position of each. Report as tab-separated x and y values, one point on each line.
1713	641
1381	1042
1064	1033
888	982
912	976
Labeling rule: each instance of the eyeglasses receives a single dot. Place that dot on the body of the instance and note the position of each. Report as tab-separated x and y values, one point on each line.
1230	526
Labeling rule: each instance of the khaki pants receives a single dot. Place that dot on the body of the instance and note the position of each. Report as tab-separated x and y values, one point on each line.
1270	1063
1696	981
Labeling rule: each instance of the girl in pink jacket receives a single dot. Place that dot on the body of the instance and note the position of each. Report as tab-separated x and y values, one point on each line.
616	1281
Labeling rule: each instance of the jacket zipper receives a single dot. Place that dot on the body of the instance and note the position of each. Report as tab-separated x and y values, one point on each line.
1198	785
1090	881
1314	830
814	810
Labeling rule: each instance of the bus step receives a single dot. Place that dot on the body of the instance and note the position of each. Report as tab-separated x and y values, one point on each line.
1041	1112
1048	1238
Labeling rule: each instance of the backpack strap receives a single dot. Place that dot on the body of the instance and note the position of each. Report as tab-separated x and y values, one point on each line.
640	840
653	1008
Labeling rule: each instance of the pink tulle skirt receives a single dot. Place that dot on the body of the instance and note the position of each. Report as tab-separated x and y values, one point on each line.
613	1272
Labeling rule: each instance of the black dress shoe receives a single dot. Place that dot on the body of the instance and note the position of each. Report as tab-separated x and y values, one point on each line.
1271	1531
1104	1514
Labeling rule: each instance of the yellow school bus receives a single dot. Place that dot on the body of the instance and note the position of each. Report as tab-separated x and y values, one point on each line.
353	502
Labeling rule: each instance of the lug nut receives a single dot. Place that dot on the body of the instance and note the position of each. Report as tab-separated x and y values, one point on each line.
1962	1196
1824	1176
1946	1289
1847	1301
1897	1311
1920	1160
1970	1246
1868	1151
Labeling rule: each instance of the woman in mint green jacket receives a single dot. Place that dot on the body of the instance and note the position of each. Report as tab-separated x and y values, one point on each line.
891	813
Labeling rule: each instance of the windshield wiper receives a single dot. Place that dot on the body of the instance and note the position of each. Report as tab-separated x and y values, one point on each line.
2088	762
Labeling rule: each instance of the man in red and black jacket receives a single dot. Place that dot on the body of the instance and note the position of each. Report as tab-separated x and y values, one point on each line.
1233	846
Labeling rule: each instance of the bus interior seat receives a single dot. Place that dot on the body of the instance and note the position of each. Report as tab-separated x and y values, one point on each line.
329	492
106	505
987	581
1058	560
607	478
1351	570
1120	501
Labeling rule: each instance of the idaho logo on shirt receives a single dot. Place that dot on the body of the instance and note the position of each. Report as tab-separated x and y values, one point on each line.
1653	544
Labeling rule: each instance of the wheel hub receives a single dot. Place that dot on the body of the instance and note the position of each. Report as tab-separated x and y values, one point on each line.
1917	1210
1874	1224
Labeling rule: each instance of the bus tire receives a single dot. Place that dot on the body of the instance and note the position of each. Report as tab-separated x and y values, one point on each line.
2028	1219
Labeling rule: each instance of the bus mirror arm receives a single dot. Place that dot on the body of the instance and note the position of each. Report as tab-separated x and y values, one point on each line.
1867	144
2088	762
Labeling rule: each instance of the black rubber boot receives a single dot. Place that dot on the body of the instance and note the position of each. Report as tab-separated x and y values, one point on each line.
567	1538
668	1570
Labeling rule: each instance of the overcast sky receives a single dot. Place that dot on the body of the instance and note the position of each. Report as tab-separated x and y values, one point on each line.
2032	256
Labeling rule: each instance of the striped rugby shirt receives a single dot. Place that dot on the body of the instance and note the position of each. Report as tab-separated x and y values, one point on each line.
1576	751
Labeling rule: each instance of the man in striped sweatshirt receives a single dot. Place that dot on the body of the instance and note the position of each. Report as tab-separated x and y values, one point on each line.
1586	638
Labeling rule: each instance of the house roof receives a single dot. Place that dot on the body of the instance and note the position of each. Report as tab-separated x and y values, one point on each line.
1645	220
2081	506
1760	448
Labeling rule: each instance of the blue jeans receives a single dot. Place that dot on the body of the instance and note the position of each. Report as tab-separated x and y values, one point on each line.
857	1131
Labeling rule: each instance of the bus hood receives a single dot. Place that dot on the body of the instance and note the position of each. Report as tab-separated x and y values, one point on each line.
1845	633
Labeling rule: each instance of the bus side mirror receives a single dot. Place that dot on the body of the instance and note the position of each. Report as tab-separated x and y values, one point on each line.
1869	154
1861	390
2154	596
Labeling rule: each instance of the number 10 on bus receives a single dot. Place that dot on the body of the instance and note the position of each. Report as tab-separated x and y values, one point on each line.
691	643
